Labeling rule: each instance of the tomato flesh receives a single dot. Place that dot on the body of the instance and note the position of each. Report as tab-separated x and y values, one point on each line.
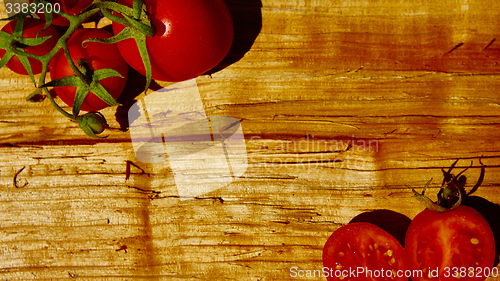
362	251
455	245
31	27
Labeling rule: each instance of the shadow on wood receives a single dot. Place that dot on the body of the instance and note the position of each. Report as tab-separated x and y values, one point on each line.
393	222
247	21
135	85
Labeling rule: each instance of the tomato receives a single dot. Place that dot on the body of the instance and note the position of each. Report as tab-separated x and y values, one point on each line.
192	37
363	251
456	243
98	56
72	7
31	28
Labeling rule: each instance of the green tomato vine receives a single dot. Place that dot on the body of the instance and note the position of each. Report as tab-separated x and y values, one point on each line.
138	27
452	191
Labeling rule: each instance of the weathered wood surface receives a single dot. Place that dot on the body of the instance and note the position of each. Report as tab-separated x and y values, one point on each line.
346	106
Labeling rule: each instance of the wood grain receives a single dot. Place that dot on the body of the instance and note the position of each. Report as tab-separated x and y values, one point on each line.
345	106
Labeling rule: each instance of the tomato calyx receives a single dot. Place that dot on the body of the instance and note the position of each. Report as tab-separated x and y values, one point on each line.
138	26
452	190
84	68
14	45
90	83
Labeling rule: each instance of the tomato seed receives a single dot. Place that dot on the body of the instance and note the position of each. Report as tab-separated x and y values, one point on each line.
474	241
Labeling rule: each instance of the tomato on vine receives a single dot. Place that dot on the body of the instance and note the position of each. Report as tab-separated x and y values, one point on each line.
191	37
164	40
92	58
32	28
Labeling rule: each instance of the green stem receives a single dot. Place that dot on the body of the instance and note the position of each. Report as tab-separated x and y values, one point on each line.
137	6
73	66
57	107
112	17
22	53
75	23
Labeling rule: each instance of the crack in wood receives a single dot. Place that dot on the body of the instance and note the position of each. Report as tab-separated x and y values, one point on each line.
271	177
489	44
152	194
454	48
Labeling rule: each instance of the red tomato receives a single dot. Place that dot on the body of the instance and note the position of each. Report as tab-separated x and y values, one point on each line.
31	28
72	7
98	56
363	251
192	37
453	243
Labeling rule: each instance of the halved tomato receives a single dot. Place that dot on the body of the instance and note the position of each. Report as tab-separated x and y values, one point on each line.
454	245
362	251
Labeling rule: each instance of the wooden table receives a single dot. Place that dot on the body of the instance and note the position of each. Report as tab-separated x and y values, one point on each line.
345	106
